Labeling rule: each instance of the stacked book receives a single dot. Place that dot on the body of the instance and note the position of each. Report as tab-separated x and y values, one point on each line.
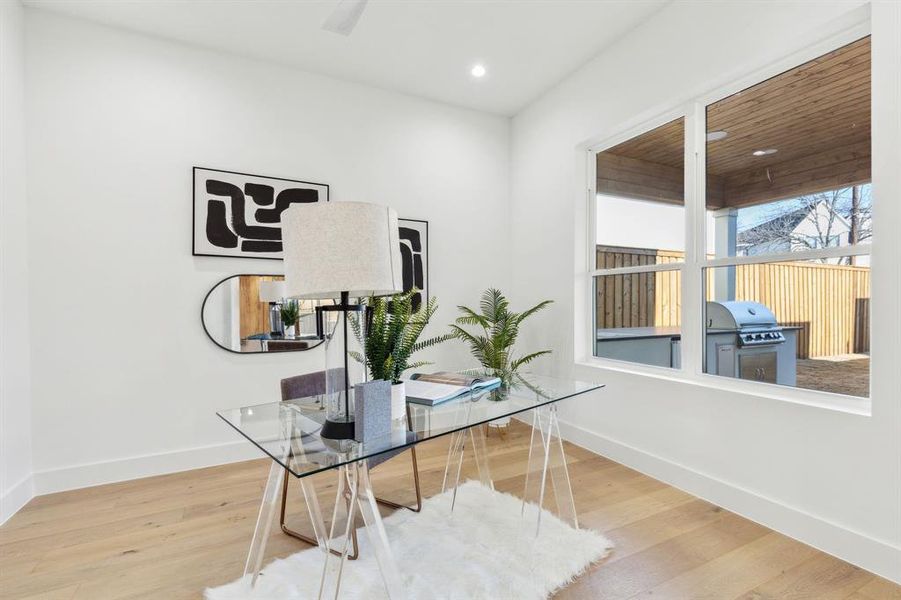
435	388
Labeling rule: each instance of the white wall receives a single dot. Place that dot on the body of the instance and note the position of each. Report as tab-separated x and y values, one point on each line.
829	478
126	383
15	383
644	224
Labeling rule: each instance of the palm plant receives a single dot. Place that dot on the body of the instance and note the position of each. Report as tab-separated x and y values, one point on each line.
392	335
493	346
290	312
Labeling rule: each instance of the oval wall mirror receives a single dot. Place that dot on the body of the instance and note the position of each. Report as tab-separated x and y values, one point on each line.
248	314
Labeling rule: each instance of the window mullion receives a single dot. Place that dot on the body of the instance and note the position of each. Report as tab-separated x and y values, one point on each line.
799	255
695	213
591	259
676	266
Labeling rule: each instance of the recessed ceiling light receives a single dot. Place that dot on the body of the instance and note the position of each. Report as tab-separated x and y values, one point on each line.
478	71
766	152
715	136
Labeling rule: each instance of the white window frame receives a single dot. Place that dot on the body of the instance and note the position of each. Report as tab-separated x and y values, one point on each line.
594	273
856	26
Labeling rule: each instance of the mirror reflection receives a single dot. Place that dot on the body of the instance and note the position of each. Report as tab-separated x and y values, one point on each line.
249	314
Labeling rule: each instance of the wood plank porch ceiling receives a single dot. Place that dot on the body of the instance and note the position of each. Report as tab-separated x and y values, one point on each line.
816	115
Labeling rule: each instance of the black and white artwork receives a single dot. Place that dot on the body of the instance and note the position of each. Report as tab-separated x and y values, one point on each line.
414	254
239	215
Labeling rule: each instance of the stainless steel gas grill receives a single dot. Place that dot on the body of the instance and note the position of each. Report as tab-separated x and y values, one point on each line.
744	340
754	323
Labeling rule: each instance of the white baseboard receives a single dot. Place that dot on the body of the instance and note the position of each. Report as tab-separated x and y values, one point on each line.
877	556
136	467
15	498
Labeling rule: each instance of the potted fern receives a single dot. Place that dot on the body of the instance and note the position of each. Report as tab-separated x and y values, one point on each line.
493	345
390	339
290	312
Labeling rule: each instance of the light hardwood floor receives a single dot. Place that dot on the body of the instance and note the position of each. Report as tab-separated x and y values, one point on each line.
171	536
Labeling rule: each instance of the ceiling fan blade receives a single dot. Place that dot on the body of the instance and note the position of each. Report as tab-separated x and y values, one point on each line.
345	16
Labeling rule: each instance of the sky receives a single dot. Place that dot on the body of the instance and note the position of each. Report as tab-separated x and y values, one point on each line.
754	215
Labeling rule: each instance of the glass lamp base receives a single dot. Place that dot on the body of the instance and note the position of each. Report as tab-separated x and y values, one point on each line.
337	430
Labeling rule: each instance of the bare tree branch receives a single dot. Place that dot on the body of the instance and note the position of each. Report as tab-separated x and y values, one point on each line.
826	219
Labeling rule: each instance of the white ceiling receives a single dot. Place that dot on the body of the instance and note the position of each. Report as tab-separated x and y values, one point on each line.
420	47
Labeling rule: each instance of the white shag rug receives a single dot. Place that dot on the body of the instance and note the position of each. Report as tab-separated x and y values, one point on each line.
484	549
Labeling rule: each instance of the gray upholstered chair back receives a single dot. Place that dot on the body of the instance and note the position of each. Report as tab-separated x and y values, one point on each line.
310	384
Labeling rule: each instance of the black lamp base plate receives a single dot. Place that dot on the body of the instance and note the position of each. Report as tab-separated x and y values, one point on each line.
337	430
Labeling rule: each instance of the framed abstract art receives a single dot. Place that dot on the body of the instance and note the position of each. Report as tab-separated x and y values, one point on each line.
414	254
239	214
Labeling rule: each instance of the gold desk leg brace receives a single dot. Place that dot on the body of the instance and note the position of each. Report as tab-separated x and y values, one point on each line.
356	549
418	508
305	538
395	505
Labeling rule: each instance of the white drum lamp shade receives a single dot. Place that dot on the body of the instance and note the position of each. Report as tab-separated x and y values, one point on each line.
272	291
335	247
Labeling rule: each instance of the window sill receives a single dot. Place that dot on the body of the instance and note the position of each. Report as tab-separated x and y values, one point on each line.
812	398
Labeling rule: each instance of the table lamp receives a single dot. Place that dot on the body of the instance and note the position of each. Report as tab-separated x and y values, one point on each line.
339	251
273	292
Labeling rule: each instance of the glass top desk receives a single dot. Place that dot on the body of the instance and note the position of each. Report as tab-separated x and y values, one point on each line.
288	432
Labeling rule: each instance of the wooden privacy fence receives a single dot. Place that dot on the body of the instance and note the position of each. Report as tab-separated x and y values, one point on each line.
640	299
830	303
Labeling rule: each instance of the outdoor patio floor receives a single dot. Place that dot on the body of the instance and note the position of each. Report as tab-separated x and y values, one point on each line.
845	374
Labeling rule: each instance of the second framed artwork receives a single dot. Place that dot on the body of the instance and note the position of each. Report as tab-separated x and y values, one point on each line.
414	255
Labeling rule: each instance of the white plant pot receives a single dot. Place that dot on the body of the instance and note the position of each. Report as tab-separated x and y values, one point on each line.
398	401
289	331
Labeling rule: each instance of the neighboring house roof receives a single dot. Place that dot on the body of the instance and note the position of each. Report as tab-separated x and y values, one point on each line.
787	222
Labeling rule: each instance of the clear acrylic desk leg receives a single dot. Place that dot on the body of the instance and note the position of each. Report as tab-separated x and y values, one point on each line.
455	453
546	450
480	453
342	525
454	460
375	530
264	522
263	528
355	494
